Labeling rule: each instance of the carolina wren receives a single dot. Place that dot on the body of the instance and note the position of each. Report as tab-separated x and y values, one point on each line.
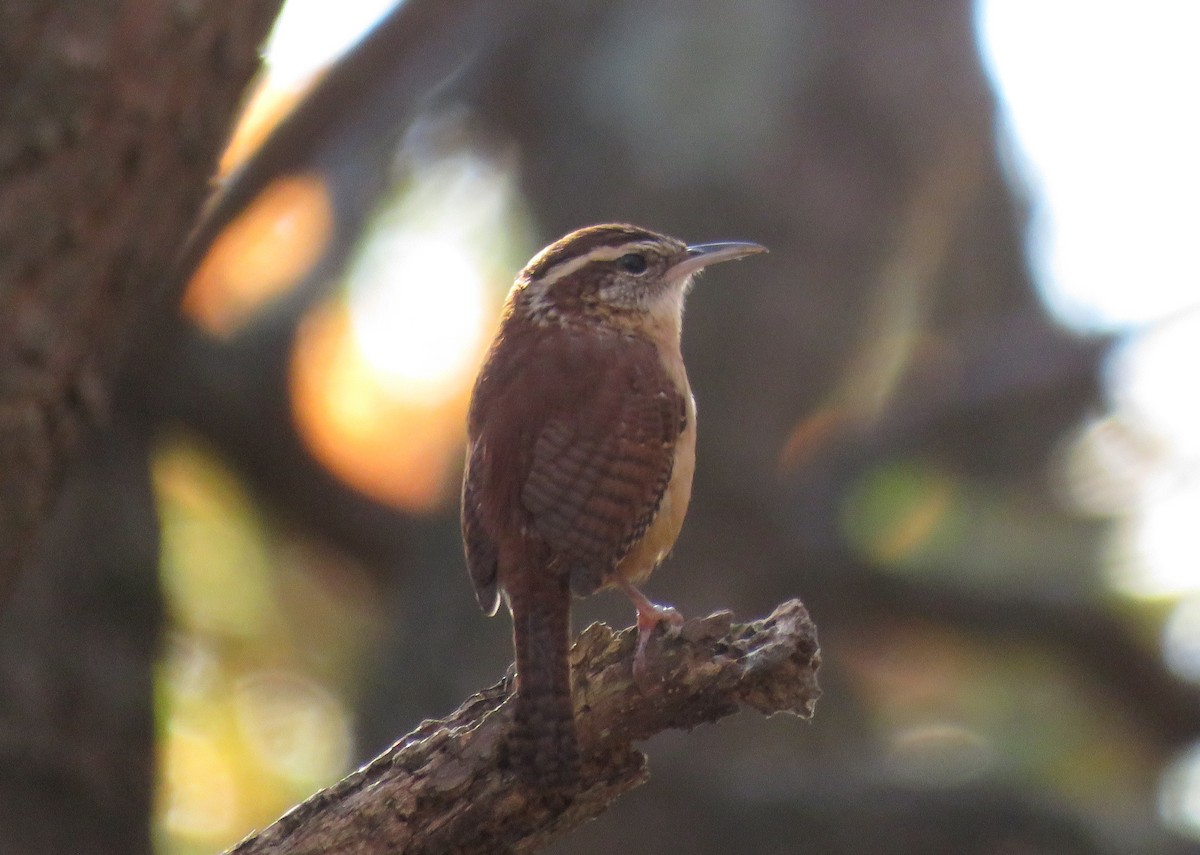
581	449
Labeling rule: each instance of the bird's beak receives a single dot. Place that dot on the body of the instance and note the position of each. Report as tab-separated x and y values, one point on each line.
701	255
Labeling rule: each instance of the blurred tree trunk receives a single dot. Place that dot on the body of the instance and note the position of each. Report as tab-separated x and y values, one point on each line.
112	116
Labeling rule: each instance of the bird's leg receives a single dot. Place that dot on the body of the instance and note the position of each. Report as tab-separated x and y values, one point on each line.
649	616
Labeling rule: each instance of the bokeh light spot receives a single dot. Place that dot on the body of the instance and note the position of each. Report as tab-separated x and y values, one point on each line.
265	251
381	375
1179	794
813	435
214	555
265	632
309	34
1103	466
1104	149
940	754
1153	380
1181	639
269	101
199	797
293	725
390	447
1154	552
419	321
897	511
1108	147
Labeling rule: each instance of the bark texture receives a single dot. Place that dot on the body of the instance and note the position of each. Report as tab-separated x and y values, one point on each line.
113	115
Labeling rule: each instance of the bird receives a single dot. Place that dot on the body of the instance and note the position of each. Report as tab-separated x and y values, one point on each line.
581	438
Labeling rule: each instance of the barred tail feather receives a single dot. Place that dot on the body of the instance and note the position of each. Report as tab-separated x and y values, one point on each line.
544	745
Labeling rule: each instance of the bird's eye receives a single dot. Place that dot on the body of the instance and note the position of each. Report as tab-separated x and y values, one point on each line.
633	262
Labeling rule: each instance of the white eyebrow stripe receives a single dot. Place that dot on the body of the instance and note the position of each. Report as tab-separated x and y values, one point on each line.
600	253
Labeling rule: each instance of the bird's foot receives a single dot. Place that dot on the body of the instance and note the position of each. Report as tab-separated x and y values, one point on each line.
649	616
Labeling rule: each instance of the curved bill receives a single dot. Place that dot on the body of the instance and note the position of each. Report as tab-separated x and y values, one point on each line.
701	255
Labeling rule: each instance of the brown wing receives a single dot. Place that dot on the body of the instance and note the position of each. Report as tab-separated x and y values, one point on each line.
478	545
599	471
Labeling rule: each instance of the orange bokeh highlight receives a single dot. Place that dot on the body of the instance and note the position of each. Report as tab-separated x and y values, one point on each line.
266	106
261	254
813	435
398	449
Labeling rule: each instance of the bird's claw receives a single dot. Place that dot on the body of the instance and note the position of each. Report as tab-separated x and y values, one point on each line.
650	615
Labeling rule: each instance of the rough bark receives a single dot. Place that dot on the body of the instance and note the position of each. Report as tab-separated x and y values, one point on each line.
444	787
112	116
78	641
114	113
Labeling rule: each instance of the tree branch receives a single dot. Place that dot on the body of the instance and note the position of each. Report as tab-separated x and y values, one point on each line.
445	788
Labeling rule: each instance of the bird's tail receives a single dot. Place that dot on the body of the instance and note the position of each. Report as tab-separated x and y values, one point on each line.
544	745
